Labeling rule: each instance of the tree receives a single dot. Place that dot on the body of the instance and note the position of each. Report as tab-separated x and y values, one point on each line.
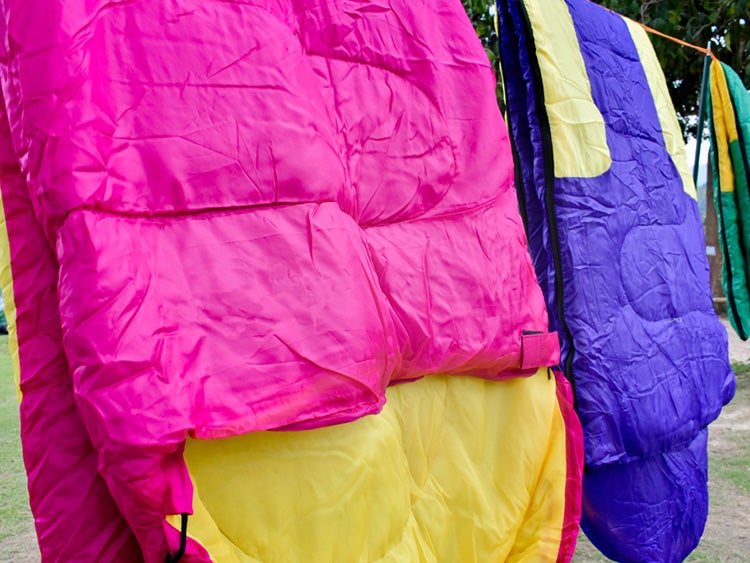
723	23
482	16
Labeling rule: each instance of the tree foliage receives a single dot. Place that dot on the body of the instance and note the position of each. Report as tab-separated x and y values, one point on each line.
725	24
482	16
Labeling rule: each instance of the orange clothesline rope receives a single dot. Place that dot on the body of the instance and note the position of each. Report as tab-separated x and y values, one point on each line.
703	50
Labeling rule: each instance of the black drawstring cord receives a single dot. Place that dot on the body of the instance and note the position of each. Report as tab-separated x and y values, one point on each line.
183	541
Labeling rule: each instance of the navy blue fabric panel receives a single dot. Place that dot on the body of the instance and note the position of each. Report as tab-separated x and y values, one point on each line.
525	131
522	100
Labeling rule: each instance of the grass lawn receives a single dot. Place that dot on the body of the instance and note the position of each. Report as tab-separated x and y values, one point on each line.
16	525
735	468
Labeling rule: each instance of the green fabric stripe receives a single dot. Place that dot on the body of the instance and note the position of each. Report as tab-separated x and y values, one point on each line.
732	211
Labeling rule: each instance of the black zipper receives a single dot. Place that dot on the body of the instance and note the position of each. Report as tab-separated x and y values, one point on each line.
183	542
520	188
549	196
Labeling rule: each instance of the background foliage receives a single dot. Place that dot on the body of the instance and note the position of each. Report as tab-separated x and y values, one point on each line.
482	15
725	24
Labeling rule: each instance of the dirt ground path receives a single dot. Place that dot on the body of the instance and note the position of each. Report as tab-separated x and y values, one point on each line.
739	351
727	534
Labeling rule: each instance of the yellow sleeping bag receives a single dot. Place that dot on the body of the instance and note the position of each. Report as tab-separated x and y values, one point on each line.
453	469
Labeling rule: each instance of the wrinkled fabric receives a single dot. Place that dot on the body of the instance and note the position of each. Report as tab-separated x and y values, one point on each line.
617	242
729	119
246	216
433	461
75	515
656	511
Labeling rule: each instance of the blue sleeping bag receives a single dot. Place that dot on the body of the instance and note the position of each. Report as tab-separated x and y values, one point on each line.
618	246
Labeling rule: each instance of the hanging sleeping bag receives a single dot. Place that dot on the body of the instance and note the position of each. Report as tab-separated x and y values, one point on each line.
75	515
226	218
617	242
729	119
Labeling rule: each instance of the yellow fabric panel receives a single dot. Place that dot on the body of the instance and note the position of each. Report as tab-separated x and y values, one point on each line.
6	283
536	541
578	132
453	469
724	125
665	109
209	535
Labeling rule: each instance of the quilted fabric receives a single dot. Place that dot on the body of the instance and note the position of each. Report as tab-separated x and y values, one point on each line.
729	116
465	469
618	247
75	515
225	217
